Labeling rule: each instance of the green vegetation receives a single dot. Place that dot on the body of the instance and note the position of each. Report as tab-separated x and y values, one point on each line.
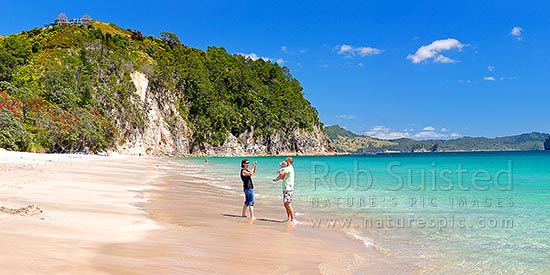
68	88
230	94
349	142
547	144
336	130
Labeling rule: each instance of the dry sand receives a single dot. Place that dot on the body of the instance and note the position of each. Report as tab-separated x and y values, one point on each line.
76	214
58	210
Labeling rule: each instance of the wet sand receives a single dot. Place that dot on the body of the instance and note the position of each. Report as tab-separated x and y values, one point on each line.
203	233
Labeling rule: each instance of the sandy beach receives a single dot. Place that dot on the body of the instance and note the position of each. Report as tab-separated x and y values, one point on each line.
67	214
58	210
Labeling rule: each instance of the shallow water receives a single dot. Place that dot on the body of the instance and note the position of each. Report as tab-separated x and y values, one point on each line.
480	213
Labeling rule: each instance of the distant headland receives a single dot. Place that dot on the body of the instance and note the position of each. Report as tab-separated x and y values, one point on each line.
349	142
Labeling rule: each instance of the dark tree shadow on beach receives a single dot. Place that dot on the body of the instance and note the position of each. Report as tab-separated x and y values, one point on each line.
259	219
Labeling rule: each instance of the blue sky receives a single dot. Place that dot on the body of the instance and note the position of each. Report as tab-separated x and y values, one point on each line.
419	69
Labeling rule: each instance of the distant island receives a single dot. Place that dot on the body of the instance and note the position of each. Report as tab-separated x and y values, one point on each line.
82	85
349	142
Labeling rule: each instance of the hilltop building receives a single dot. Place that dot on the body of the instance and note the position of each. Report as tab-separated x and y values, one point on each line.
63	20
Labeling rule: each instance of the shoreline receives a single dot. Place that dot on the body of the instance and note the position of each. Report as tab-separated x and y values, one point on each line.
202	232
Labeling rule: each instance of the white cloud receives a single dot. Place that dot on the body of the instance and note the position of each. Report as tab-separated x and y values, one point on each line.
490	68
284	49
350	51
346	116
428	132
428	128
380	128
443	59
255	57
489	78
383	132
433	51
345	49
516	32
366	51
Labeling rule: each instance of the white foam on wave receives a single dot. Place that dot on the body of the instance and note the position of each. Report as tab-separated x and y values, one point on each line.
159	167
355	236
224	187
214	178
140	200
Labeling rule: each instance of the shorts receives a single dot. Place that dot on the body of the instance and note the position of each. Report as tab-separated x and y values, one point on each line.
287	196
248	197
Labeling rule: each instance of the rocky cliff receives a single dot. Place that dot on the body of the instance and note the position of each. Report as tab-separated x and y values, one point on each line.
159	137
298	142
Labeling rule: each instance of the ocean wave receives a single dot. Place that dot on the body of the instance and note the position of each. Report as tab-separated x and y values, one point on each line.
223	186
356	237
214	178
164	167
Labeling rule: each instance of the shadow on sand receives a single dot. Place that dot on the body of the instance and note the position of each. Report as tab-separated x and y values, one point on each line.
258	219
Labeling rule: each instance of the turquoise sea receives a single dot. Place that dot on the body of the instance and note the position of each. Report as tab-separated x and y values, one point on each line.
449	213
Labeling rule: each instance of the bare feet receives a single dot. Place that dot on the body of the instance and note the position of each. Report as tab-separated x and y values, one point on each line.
253	217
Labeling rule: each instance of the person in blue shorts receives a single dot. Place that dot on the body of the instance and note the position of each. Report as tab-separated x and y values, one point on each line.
248	187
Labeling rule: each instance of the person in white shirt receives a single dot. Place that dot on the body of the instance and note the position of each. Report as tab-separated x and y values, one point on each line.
287	175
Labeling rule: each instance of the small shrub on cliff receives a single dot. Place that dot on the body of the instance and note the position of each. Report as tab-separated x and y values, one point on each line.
12	134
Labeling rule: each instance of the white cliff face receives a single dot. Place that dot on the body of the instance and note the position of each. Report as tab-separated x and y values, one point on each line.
158	137
141	82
